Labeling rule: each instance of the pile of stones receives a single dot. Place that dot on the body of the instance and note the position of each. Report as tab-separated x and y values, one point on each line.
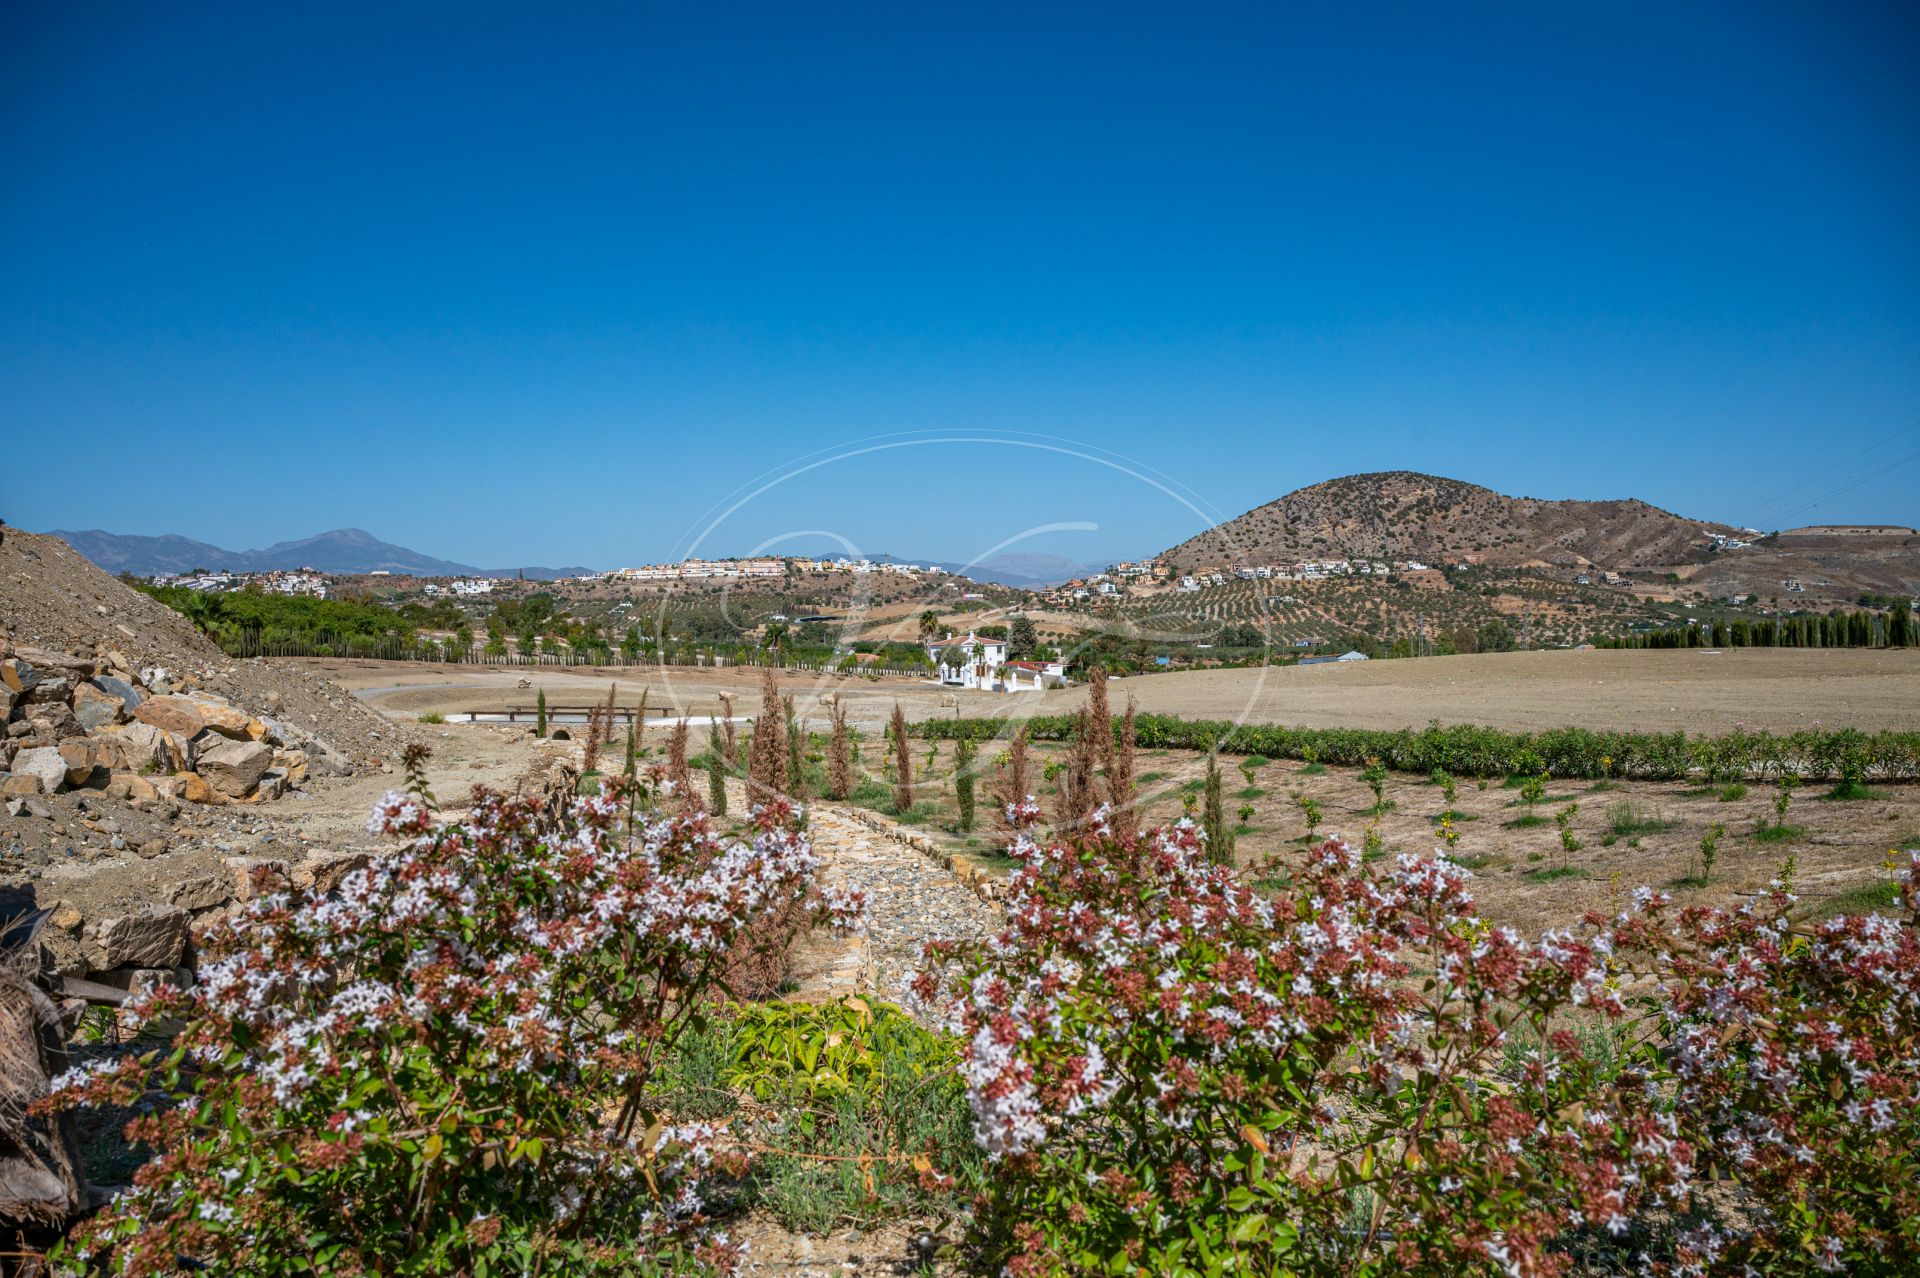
142	735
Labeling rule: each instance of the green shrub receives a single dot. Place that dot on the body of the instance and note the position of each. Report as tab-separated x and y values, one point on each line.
1474	751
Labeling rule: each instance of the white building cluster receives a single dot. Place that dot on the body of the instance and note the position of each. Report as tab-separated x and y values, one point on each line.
762	566
303	581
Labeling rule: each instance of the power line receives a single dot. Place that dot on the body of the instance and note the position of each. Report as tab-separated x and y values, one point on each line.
1810	480
1850	485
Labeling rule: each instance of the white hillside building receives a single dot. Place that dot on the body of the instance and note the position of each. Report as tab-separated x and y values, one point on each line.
969	662
974	662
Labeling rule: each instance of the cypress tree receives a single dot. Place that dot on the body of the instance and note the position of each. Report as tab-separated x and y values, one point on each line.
716	771
1213	818
963	780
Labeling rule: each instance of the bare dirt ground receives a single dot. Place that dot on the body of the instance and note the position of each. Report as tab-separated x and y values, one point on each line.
1698	690
405	690
1629	833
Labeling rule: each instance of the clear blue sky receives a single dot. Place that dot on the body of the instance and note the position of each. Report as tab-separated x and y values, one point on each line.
519	284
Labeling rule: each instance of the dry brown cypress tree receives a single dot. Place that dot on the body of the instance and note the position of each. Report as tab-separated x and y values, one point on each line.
1126	821
767	754
611	712
591	760
902	763
1100	716
1079	793
677	770
840	755
731	737
1016	779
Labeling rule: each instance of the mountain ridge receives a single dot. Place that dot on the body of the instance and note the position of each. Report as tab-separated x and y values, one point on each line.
1408	515
339	550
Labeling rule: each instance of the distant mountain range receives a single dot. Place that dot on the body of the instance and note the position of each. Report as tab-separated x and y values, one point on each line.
344	550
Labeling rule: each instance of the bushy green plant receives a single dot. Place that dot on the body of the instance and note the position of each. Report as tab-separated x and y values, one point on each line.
1473	751
447	1066
1310	809
865	1113
1151	1041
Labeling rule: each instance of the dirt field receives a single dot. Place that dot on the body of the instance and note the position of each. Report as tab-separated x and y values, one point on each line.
1699	690
1628	833
1702	691
408	689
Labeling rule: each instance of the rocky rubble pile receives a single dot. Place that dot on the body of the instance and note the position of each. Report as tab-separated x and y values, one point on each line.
135	945
146	736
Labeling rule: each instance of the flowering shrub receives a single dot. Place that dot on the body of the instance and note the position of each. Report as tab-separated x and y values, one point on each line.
1794	1057
445	1067
1177	1075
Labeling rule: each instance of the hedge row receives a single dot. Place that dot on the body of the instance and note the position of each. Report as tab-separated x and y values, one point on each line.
1469	750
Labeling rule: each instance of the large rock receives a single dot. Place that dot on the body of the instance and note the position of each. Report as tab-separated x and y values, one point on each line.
258	876
82	757
324	871
45	763
201	892
54	720
233	768
221	717
149	749
177	715
46	660
8	700
52	688
22	785
153	937
96	708
116	686
19	676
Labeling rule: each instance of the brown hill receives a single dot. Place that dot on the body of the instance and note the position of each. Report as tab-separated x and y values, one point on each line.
1397	515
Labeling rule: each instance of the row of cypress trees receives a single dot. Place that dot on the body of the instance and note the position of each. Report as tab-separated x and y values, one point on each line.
1893	629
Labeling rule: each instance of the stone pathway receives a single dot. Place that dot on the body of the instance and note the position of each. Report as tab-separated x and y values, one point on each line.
910	900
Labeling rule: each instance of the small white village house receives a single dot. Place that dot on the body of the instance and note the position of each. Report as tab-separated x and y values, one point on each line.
974	662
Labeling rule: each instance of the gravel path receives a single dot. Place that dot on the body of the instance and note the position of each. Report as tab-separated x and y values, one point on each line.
910	900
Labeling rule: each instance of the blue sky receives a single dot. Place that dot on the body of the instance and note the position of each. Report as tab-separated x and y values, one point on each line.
516	284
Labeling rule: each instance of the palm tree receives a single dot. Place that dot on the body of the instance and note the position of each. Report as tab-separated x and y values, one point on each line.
776	637
929	626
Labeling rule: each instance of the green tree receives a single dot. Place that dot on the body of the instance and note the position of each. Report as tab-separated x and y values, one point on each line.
1023	639
540	713
1213	817
963	781
1496	636
716	771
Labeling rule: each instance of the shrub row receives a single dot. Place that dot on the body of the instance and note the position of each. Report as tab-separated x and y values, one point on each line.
1467	749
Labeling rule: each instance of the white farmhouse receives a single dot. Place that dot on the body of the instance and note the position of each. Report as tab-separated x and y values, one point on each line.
969	662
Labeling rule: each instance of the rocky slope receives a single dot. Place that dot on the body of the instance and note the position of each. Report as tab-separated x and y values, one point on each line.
53	599
139	766
1397	515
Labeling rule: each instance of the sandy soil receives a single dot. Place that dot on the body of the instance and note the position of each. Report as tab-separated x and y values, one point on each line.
1524	875
1700	690
405	690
